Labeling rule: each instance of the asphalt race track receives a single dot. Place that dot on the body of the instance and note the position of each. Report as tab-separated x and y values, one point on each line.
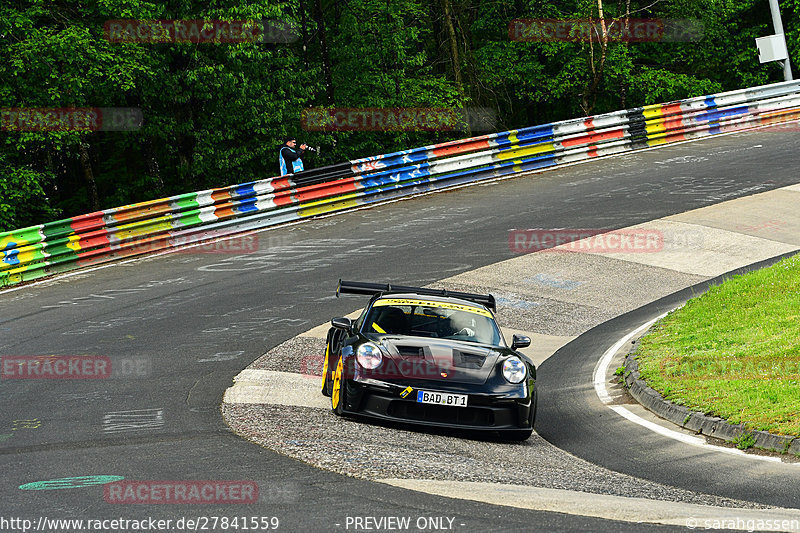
178	327
577	422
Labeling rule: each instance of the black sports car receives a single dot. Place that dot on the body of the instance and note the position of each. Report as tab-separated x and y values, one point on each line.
429	357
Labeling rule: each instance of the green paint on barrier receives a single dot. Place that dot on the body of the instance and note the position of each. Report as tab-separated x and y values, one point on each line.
186	201
190	219
59	228
70	482
20	237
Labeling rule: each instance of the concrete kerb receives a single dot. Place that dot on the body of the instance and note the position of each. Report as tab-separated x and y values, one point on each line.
710	426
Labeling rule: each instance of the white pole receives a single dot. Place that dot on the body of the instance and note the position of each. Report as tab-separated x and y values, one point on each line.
778	25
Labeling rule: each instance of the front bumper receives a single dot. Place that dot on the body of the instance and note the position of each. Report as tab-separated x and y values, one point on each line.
484	411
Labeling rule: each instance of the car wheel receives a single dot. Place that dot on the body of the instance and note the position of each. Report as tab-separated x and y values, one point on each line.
338	388
326	372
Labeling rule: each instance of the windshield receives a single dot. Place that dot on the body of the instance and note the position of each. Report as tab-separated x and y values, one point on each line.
423	318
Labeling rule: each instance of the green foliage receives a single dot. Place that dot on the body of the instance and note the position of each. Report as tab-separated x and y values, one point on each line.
745	441
215	114
735	351
23	200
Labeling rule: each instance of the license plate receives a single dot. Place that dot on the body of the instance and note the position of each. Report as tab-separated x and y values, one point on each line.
442	398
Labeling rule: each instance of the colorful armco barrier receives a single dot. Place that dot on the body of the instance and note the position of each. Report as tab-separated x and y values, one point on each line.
39	251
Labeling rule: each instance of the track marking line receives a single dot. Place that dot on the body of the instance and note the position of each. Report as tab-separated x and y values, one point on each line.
599	378
635	510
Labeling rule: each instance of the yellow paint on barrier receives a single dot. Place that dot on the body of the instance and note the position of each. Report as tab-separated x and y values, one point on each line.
73	243
655	127
653	111
5	241
138	229
658	141
320	207
18	240
512	137
26	258
519	153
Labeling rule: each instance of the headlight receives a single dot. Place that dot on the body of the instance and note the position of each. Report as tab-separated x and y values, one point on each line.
514	370
369	356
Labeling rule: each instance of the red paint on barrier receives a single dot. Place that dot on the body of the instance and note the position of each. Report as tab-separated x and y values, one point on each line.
672	109
283	198
673	123
325	190
82	223
461	148
280	184
593	138
93	240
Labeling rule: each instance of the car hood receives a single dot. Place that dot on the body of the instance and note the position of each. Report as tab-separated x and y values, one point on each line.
439	359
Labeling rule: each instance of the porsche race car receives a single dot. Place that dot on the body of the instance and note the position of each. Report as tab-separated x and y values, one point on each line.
429	357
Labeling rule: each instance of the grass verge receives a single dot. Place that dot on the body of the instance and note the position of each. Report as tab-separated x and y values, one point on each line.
734	352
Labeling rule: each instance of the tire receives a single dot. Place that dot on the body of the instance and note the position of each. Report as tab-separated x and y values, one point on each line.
326	372
338	388
333	345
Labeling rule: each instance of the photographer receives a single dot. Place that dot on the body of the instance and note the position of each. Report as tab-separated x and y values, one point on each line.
289	156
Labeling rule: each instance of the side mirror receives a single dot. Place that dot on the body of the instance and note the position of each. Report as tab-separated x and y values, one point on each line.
520	341
342	323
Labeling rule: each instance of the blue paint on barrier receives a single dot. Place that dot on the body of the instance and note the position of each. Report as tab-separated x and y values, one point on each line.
536	134
11	257
717	114
395	175
247	205
244	190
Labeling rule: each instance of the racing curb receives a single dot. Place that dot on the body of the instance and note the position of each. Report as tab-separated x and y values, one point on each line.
710	426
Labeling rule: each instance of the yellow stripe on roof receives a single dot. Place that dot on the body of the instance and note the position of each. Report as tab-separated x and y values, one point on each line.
431	303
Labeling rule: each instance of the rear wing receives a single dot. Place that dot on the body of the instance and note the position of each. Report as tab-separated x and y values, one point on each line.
371	289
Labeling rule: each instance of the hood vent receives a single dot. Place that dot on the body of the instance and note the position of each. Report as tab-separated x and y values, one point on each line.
468	360
411	351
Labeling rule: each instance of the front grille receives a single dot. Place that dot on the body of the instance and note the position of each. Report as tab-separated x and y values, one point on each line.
442	414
